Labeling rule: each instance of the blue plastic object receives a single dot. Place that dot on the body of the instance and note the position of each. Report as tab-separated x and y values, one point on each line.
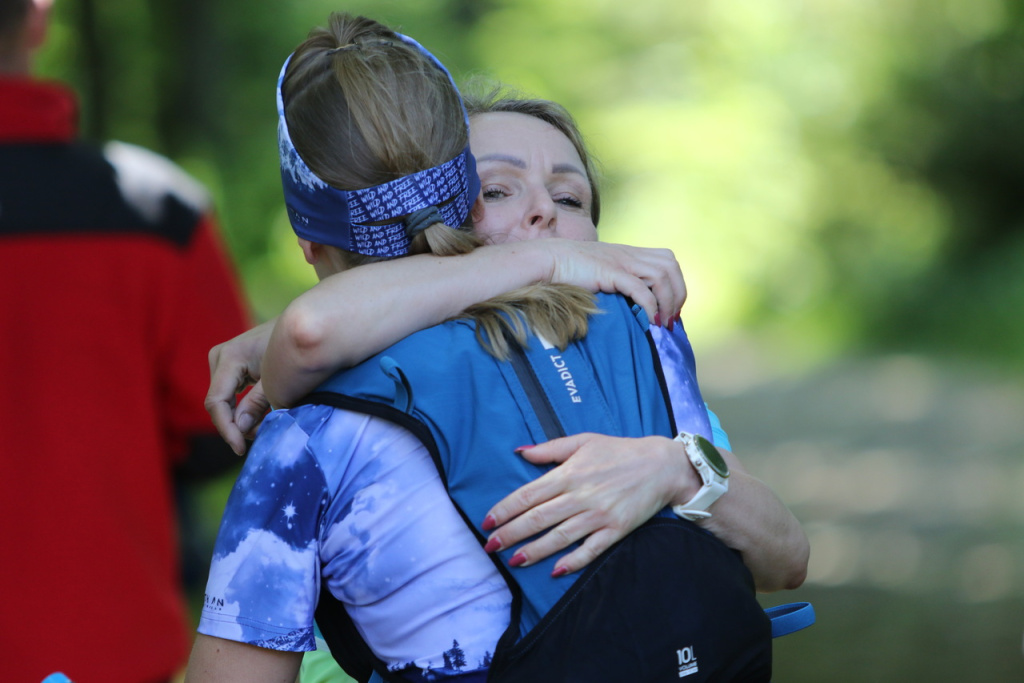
789	618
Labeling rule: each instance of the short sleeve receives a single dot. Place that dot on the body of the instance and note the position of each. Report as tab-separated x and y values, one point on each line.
718	435
264	577
680	370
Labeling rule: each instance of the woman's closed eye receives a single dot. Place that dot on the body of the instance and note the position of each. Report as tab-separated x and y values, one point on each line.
491	193
569	200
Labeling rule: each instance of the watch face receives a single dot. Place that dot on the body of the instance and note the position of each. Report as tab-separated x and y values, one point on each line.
712	455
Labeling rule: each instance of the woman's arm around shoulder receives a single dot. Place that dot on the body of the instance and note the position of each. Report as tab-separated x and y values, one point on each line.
354	314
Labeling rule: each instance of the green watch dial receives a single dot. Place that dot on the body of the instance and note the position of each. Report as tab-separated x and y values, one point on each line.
711	454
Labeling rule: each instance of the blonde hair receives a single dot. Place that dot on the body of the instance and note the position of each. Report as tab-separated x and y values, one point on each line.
364	108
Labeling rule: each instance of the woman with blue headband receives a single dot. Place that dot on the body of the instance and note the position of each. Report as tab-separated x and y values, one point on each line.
355	502
599	489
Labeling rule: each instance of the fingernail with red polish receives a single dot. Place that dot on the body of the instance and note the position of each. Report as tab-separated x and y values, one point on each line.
559	571
489	523
657	320
492	545
517	560
523	448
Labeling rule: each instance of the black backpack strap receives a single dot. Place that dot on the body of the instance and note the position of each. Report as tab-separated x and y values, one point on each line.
347	647
539	401
659	371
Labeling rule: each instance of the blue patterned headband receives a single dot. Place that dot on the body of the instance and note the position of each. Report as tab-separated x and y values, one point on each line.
372	221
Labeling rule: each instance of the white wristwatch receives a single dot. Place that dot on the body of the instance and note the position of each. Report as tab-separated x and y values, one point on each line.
713	471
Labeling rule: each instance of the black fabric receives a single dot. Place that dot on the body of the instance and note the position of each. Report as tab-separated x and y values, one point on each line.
668	588
33	175
347	647
669	591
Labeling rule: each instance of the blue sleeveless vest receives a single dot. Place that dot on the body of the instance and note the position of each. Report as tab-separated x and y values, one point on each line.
471	410
478	409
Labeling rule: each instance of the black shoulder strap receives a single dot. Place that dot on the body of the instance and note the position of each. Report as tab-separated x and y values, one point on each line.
542	407
347	647
662	382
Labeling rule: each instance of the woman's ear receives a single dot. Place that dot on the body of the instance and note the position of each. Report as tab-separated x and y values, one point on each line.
325	259
311	250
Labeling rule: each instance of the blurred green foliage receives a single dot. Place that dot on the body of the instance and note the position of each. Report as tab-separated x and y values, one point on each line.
832	174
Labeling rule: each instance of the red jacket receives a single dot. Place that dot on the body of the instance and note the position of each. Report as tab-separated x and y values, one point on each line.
113	288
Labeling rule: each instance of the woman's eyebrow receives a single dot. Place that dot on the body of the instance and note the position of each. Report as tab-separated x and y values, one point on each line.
568	168
519	163
504	158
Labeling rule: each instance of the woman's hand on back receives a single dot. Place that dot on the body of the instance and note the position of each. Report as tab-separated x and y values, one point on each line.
603	488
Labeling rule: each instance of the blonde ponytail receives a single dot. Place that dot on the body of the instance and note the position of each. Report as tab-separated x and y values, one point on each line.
559	313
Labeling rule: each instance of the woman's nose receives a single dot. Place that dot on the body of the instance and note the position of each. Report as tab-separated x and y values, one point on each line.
541	215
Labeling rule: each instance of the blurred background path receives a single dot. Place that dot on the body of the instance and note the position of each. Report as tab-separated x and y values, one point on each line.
907	474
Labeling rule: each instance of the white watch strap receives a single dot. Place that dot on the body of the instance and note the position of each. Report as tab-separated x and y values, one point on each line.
692	515
714	486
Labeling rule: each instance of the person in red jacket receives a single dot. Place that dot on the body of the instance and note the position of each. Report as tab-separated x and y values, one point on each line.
113	287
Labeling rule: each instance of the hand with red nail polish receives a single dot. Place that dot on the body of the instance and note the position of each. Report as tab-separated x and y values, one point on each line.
652	278
600	491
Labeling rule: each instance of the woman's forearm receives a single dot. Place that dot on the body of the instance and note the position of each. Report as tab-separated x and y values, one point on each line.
750	518
350	316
